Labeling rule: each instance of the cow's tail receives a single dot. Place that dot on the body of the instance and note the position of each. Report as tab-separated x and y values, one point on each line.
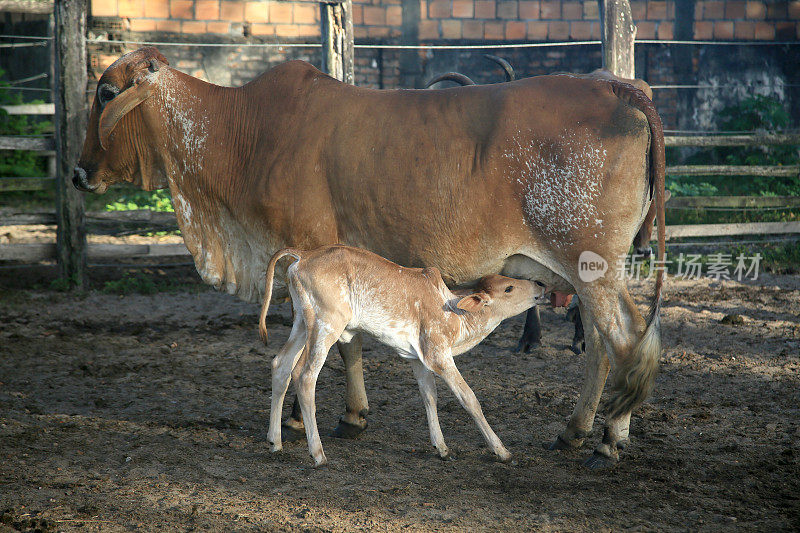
262	320
636	373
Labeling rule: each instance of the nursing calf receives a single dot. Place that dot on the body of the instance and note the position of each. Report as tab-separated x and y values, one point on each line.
339	291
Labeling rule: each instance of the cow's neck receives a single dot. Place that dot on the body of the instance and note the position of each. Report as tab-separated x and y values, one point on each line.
199	165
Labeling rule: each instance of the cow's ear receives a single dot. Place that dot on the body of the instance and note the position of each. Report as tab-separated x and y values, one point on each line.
124	102
474	302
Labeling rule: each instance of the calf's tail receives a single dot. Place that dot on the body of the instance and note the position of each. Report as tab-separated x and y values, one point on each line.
636	374
262	324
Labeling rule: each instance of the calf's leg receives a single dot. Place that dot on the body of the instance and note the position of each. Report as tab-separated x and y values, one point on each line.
427	388
354	421
444	366
317	347
282	366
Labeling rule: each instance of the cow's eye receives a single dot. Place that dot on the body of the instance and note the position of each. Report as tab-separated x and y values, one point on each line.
509	288
539	283
106	93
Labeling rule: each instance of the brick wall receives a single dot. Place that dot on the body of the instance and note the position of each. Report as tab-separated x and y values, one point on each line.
493	20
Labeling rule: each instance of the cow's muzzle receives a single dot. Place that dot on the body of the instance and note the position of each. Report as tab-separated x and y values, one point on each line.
81	181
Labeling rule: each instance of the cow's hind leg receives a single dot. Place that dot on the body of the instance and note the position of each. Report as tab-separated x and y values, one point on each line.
634	352
354	420
594	378
532	334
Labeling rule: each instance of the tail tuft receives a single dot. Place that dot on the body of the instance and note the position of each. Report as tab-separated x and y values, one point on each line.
634	383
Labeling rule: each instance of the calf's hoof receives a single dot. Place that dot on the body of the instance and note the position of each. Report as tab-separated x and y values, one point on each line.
503	456
346	430
598	461
320	462
275	448
293	430
447	456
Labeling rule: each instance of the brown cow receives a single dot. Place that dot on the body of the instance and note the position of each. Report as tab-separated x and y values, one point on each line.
532	332
470	180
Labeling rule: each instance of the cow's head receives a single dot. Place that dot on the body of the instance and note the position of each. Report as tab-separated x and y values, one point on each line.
120	142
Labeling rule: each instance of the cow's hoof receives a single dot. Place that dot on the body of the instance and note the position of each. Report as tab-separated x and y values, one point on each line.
598	461
561	444
292	430
527	346
447	456
346	430
319	463
577	349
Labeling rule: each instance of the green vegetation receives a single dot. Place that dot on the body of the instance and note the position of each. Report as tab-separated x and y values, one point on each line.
754	113
131	199
151	281
20	163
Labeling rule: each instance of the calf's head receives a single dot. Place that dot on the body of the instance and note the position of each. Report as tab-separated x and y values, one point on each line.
503	297
121	139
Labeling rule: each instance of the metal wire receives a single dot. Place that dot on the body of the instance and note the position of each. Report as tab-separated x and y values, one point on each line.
726	86
36	37
725	132
35	89
719	43
748	208
30	78
472	46
725	243
220	45
21	45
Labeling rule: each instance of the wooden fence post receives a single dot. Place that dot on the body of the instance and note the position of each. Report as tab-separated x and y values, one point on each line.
336	21
70	118
618	33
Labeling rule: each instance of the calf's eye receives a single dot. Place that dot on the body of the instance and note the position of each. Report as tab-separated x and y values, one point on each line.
509	288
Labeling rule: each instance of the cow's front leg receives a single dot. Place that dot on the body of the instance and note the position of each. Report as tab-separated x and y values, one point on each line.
597	366
354	420
532	334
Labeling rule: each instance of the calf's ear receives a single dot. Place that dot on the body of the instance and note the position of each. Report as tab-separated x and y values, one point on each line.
474	302
124	102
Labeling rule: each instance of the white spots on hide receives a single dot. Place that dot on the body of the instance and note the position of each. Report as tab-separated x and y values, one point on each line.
561	179
184	115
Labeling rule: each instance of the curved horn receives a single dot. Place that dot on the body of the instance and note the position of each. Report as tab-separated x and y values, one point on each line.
506	66
456	77
121	105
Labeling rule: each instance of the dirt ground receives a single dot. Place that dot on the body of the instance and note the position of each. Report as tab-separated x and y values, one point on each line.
150	412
